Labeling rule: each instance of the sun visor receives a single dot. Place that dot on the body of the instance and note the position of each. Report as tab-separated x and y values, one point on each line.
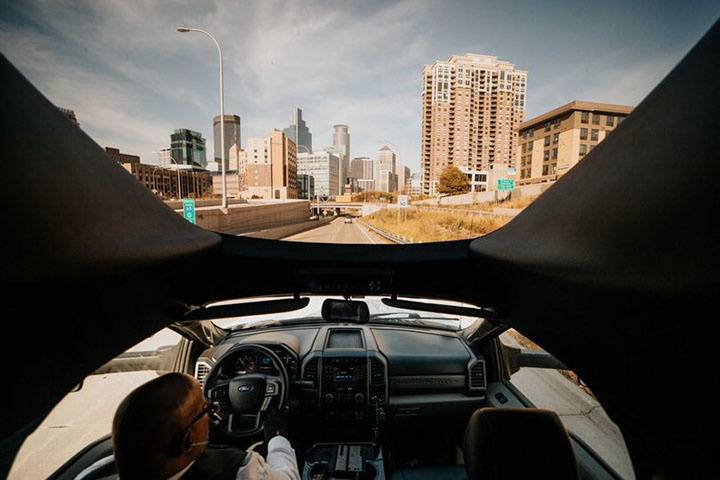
70	211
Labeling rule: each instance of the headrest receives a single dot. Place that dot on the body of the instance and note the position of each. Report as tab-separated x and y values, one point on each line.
502	443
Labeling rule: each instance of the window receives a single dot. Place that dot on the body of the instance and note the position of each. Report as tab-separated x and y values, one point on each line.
550	389
596	119
610	121
556	138
584	117
546	155
547	141
583	134
154	356
594	135
583	149
554	153
547	126
545	169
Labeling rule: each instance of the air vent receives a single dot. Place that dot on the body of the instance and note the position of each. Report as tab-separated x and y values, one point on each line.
378	385
477	375
201	371
310	373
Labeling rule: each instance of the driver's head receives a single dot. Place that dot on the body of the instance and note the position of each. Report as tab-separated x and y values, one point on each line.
159	428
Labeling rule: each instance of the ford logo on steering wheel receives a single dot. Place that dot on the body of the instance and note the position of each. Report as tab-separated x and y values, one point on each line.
246	388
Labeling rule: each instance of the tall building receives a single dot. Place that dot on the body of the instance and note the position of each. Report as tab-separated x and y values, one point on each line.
341	140
258	175
306	187
298	132
473	106
232	137
283	159
114	153
554	142
323	166
167	183
415	184
385	170
361	168
403	182
188	148
339	152
164	159
271	167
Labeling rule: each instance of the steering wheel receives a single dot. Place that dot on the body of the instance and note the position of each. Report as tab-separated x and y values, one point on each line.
243	399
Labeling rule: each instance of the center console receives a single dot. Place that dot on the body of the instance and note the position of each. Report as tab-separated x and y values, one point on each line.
353	461
344	382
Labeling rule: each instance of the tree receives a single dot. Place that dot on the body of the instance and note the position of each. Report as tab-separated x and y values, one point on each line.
453	181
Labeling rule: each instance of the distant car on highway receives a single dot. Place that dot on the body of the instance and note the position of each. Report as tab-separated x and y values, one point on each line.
314	217
348	220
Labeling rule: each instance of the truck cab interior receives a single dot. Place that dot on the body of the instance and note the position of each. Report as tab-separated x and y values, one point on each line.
613	270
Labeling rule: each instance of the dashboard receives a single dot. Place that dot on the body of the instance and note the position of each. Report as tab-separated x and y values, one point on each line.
336	368
250	361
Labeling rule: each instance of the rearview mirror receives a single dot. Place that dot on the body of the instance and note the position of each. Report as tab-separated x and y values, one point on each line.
335	310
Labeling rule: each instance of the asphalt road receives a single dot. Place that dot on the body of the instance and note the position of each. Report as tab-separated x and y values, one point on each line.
338	231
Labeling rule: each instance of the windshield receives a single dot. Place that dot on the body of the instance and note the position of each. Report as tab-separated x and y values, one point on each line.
379	314
400	123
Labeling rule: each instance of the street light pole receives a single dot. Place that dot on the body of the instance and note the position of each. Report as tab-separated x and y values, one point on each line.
222	111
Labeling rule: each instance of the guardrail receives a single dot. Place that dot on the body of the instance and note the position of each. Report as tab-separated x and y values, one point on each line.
387	235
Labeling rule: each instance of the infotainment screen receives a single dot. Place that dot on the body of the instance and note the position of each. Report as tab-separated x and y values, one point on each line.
344	375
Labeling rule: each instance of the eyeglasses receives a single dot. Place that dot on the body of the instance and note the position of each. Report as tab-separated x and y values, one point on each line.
209	409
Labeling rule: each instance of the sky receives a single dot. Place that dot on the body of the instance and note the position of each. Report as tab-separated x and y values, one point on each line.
132	79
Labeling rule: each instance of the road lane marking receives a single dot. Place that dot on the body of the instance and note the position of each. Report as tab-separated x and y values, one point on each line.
366	233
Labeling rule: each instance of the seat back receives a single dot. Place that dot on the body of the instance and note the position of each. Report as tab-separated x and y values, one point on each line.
505	443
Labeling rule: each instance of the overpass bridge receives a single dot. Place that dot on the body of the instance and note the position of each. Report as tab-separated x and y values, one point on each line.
364	208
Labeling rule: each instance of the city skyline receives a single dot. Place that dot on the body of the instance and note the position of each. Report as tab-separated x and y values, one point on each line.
128	90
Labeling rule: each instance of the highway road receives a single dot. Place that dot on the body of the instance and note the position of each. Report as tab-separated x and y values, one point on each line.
338	232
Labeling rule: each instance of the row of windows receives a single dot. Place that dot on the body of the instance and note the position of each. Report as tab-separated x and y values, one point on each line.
594	134
609	119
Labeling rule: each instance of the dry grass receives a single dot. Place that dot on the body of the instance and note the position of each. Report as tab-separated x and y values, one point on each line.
421	226
518	202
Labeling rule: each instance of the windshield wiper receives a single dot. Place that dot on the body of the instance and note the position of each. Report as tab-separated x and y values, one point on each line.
414	319
250	325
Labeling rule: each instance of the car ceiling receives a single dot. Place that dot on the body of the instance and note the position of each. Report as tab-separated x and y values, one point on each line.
613	270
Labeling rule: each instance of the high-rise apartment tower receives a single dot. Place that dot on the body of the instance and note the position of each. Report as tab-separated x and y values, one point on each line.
472	108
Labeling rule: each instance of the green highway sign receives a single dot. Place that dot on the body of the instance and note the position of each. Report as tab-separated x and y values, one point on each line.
506	185
189	209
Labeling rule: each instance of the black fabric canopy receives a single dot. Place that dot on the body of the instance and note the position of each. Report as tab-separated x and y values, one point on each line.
613	269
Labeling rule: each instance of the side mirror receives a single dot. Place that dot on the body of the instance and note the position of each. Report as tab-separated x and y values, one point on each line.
516	358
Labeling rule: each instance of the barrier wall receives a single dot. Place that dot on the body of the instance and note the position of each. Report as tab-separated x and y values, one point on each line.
245	218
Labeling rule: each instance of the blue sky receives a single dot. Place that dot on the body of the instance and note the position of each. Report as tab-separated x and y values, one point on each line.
131	79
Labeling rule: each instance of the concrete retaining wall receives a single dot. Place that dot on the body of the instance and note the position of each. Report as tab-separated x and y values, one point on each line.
204	202
252	217
289	230
464	199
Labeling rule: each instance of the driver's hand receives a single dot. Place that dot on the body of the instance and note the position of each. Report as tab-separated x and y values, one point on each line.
274	425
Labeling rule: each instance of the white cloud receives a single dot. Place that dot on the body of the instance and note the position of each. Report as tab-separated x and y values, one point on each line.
132	79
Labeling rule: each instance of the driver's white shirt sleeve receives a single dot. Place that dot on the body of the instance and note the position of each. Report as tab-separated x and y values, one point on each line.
281	463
